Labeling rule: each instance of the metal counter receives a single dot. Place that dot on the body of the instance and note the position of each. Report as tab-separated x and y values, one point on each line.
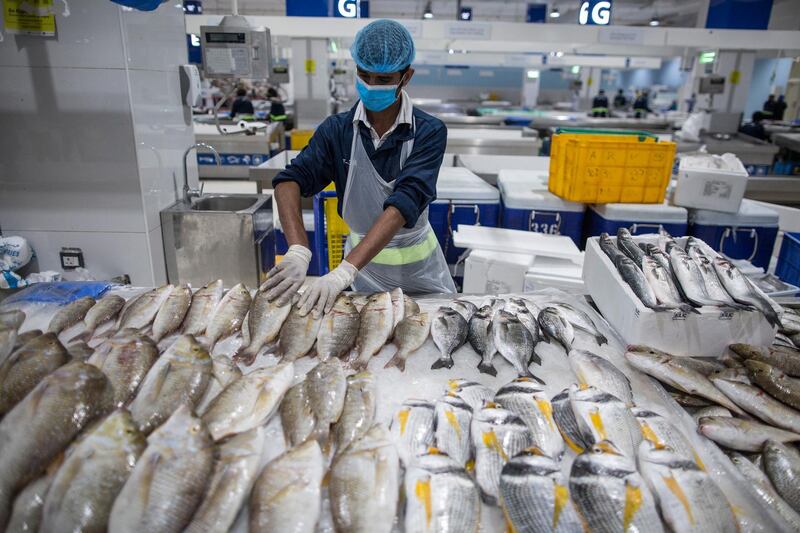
750	150
456	120
506	141
783	190
790	141
238	151
579	120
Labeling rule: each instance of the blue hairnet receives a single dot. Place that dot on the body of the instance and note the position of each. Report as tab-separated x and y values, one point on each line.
383	46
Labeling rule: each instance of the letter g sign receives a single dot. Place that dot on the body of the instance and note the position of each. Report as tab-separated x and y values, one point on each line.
347	8
595	12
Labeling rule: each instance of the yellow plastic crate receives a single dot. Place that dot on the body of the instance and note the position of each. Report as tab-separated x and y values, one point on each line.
606	166
336	228
300	138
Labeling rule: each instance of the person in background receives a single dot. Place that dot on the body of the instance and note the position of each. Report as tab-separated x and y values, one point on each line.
690	103
780	108
242	105
769	106
277	111
673	106
600	104
619	100
755	128
641	107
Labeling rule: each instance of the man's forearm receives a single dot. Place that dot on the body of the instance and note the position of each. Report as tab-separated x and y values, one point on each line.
287	196
376	238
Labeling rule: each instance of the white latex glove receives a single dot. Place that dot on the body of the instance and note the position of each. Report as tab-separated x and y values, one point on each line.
288	275
321	295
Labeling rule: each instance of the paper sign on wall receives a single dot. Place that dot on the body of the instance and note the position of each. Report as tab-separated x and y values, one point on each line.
311	66
29	17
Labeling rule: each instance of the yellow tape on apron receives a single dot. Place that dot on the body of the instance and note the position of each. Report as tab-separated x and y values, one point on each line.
404	255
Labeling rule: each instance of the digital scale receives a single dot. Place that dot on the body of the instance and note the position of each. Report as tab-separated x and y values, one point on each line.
234	49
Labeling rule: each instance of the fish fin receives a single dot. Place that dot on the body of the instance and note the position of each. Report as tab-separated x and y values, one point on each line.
545	337
36	396
601	339
442	363
107	334
83	336
688	308
244	356
528	374
148	472
161	377
147	330
486	368
534	358
397	361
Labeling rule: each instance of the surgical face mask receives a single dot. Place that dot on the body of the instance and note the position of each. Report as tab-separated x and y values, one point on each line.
376	97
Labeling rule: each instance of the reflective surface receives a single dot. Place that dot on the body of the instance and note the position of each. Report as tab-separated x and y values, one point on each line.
224	203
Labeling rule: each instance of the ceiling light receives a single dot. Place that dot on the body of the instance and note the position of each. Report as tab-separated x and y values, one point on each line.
451	51
576	69
559	53
655	22
554	14
428	13
533	74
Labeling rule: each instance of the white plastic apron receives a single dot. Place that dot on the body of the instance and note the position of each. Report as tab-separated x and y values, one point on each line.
413	259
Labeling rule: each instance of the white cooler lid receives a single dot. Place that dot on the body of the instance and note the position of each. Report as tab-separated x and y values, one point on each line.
459	183
750	214
507	175
526	195
658	213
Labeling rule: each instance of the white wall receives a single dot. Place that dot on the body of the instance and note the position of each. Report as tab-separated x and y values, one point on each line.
92	136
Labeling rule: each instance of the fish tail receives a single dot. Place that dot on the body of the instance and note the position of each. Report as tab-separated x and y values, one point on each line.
686	308
534	358
444	362
601	339
244	355
399	361
83	336
487	368
107	334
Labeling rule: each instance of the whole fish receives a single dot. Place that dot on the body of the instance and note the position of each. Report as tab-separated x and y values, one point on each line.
554	323
567	424
603	417
474	394
760	404
690	278
452	420
479	337
513	341
364	484
286	496
687	495
204	302
297	418
264	321
669	370
784	360
223	371
126	365
27	512
228	315
84	487
714	410
782	464
495	303
497	436
581	320
12	319
776	383
464	307
610	249
663	286
515	305
783	341
8	338
409	335
628	247
412	430
179	377
703	365
140	312
104	310
358	414
688	400
530	321
298	334
338	330
410	306
172	312
535	496
711	281
327	387
634	277
70	314
449	332
440	497
661	433
235	469
591	369
249	401
765	490
169	480
743	291
41	426
398	306
26	367
528	401
375	328
80	351
610	494
742	435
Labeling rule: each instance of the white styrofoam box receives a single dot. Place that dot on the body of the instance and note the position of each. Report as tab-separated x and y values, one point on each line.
535	282
650	213
490	272
706	334
749	214
459	183
703	187
536	178
516	241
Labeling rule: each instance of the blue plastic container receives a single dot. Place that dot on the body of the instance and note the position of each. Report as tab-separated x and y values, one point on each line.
528	205
640	219
788	267
749	234
281	246
462	198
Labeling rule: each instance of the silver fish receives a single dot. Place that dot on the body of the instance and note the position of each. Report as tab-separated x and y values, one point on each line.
223	371
711	281
235	471
495	303
140	312
249	401
298	334
377	324
691	278
412	429
687	495
464	307
530	321
409	335
297	418
662	433
410	306
449	331
555	324
452	422
440	497
228	315
358	414
26	367
104	310
610	494
758	403
743	291
634	277
479	337
528	400
787	361
398	306
474	394
603	417
535	496
172	312
742	435
765	490
497	436
581	320
287	494
609	248
364	484
663	286
70	314
566	422
126	365
84	488
26	515
713	410
204	302
703	365
169	480
591	369
782	464
179	377
339	328
8	338
264	321
514	342
327	387
628	247
776	383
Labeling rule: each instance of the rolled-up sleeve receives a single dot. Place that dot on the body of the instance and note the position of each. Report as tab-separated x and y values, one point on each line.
312	169
415	186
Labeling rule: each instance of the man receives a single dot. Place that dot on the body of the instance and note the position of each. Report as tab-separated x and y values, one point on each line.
242	106
383	157
277	111
769	106
756	127
780	108
640	106
619	100
600	104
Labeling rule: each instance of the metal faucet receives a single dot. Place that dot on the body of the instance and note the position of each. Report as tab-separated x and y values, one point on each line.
188	192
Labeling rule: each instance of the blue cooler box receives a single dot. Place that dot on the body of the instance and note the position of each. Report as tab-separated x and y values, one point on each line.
528	206
640	219
749	234
281	246
462	198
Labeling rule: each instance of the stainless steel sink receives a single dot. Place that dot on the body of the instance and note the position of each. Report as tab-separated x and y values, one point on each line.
224	203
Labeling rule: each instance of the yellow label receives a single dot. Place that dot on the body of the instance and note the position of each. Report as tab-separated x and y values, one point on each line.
491	442
633	500
402	416
597	422
735	77
676	489
311	66
29	17
423	493
561	494
453	421
452	384
547	410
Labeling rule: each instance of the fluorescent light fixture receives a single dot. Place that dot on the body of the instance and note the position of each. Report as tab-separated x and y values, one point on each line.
707	57
533	74
466	13
555	13
655	22
334	47
428	13
559	54
576	69
451	51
